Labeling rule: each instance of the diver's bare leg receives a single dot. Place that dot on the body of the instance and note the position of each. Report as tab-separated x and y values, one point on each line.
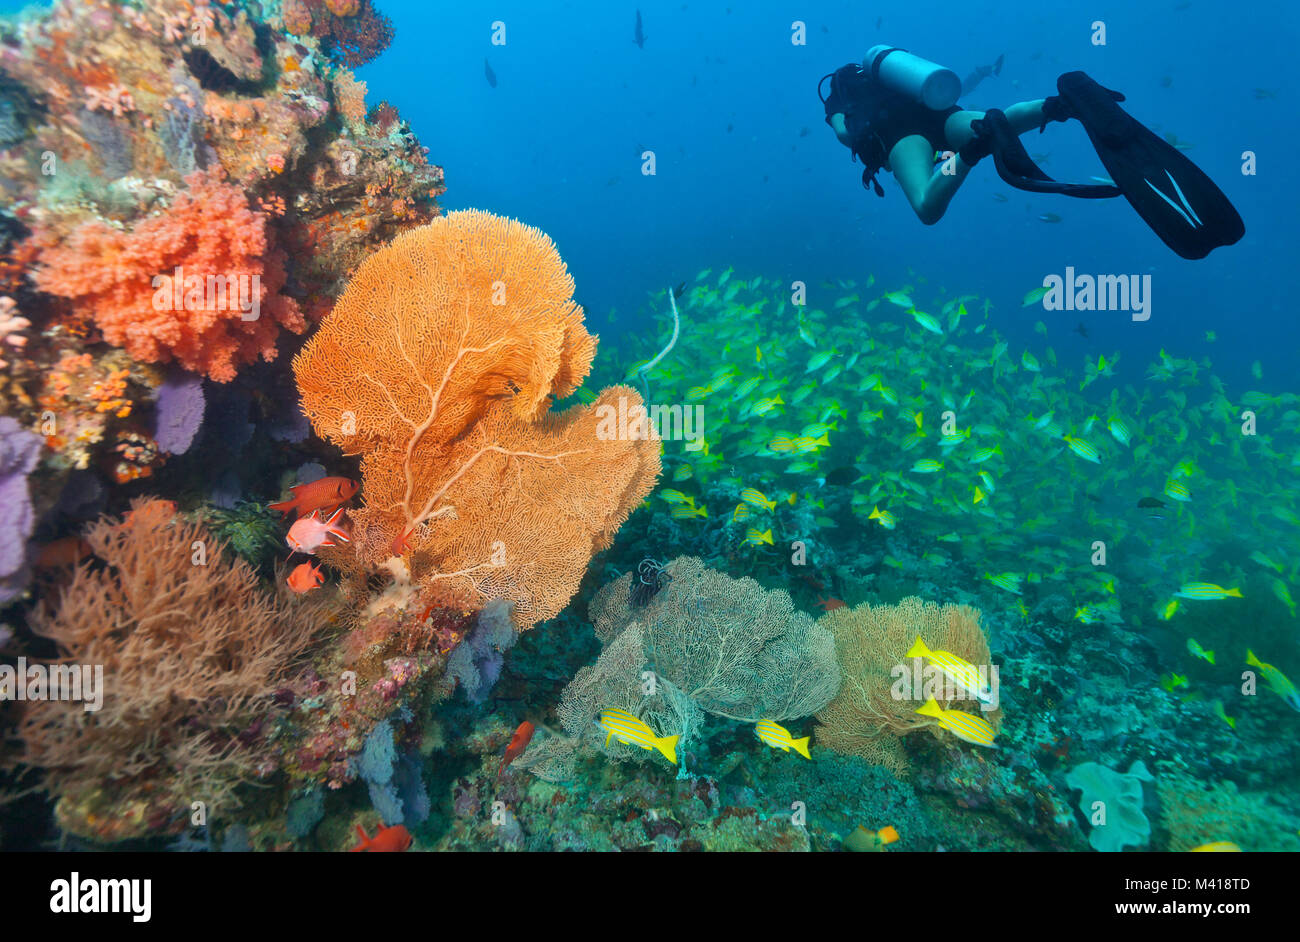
928	188
1022	116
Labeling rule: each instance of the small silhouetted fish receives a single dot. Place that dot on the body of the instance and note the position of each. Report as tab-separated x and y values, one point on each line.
639	38
999	198
679	290
879	20
1150	502
611	181
491	76
842	477
730	128
1050	217
971	82
1166	81
825	29
803	132
1081	330
766	178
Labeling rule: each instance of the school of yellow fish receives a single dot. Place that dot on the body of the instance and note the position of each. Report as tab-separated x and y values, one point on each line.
1136	499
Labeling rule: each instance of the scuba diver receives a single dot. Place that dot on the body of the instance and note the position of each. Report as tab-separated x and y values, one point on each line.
896	111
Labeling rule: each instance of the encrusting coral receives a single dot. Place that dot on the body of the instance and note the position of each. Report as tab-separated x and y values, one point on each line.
193	652
439	364
875	704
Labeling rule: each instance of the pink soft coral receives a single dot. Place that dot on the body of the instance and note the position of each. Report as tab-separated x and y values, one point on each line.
210	231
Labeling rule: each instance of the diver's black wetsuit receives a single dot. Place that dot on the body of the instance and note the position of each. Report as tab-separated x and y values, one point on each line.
876	118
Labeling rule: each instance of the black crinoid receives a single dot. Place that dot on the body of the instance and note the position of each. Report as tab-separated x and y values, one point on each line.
650	577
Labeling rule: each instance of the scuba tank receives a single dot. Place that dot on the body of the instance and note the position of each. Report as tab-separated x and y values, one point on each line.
920	79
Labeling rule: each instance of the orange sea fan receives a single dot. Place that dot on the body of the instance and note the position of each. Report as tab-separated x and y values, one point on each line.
439	364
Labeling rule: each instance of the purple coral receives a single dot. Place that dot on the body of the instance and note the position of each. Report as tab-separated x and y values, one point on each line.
20	450
179	413
476	663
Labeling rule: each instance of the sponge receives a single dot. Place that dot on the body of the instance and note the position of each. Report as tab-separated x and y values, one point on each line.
1125	823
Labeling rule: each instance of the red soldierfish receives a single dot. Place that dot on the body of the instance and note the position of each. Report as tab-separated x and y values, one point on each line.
305	578
309	534
326	495
518	743
386	840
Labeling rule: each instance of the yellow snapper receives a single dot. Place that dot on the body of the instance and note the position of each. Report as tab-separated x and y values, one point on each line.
1084	449
927	321
754	538
1195	648
1277	681
959	670
1206	591
757	499
778	737
973	729
1009	581
884	516
626	728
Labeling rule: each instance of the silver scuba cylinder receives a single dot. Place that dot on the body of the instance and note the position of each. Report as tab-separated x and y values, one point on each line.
924	81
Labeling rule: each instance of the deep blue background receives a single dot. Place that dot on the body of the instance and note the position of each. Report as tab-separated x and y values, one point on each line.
557	144
724	99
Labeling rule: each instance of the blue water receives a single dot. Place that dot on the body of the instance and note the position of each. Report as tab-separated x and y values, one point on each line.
723	97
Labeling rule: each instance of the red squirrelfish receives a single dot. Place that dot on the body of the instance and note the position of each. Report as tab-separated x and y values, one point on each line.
309	534
518	743
386	840
67	551
326	495
305	578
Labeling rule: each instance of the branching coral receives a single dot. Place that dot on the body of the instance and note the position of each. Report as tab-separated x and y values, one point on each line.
219	246
872	709
193	650
439	364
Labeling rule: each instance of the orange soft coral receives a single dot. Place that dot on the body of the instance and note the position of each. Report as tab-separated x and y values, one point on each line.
439	364
219	243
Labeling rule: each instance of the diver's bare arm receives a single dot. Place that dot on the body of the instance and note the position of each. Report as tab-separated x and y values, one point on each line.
842	132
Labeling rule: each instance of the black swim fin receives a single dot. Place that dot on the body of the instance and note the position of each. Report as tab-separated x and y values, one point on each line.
1174	196
1018	169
